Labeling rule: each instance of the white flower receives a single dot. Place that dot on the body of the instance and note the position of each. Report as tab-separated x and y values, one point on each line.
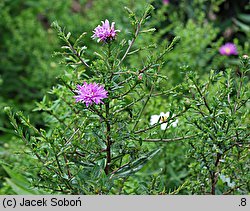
162	118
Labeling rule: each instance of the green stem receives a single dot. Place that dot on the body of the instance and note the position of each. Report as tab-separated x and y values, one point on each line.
76	53
108	141
139	116
215	174
155	125
203	97
132	42
168	140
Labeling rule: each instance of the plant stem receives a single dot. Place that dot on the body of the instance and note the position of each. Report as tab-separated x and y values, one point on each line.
140	113
130	104
131	43
157	124
215	174
67	166
76	54
169	139
232	189
108	141
203	97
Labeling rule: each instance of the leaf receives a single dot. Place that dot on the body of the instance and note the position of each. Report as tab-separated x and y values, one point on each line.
20	184
243	26
18	189
128	10
136	165
244	17
68	35
79	39
66	47
149	9
17	178
148	30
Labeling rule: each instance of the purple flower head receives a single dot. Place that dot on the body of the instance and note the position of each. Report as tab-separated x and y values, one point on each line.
228	49
90	93
165	1
105	32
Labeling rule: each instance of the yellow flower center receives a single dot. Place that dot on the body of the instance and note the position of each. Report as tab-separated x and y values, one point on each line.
227	50
163	118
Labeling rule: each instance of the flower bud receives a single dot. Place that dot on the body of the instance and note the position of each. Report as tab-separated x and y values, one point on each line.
140	76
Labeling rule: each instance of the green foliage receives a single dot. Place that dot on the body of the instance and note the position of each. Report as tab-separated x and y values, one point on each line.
20	184
19	159
26	68
219	114
89	145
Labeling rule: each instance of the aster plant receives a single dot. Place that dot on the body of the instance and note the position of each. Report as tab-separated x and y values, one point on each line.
104	102
101	130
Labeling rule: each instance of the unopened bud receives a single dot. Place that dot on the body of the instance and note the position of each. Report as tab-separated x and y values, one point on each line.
187	103
140	76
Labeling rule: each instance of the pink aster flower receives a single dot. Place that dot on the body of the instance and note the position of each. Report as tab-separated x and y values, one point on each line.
105	32
90	93
228	49
165	1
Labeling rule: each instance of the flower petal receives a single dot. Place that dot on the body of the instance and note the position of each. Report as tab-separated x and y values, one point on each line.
154	119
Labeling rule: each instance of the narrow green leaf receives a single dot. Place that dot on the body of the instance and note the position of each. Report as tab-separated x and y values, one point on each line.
244	17
136	165
243	26
18	189
16	178
20	184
